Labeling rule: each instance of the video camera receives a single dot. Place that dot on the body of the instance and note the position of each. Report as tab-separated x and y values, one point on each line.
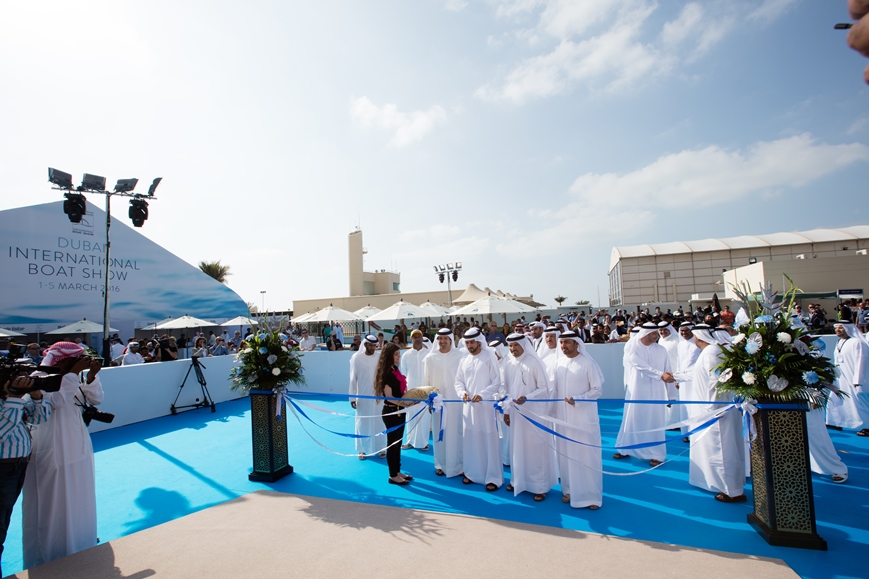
14	364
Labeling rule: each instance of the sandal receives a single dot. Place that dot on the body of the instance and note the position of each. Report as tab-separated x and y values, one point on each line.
439	472
840	478
593	507
406	446
728	499
491	487
565	498
509	488
654	462
539	497
466	481
382	455
686	439
361	456
864	432
619	456
424	448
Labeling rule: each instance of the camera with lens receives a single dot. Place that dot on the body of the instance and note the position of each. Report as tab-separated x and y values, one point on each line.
12	365
91	413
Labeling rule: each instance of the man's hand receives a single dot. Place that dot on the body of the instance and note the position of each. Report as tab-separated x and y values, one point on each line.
93	369
858	36
521	400
570	401
19	383
507	419
465	397
477	398
667	377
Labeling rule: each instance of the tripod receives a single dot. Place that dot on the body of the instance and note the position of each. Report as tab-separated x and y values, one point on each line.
200	377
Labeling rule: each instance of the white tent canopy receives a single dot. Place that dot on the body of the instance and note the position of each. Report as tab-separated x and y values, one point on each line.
494	305
303	318
399	311
9	334
240	321
471	294
436	310
184	322
84	326
155	324
366	311
332	314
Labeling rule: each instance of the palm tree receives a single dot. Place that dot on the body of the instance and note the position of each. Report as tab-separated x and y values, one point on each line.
582	303
215	269
560	299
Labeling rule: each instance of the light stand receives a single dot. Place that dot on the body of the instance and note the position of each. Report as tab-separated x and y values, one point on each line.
448	271
75	207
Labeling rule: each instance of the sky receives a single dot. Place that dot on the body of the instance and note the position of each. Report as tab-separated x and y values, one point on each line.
524	138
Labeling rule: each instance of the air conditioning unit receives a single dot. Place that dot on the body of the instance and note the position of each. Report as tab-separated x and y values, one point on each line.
863	252
800	256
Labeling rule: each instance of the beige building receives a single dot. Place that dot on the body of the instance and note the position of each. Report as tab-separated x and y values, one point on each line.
682	271
368	283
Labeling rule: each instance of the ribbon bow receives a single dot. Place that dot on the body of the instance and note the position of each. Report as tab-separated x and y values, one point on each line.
504	402
436	404
280	392
748	407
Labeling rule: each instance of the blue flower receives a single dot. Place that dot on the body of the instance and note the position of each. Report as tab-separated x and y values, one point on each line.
752	347
770	357
262	337
763	319
283	337
263	350
810	377
819	345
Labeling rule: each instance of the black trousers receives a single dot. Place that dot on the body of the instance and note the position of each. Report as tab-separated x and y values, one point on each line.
393	453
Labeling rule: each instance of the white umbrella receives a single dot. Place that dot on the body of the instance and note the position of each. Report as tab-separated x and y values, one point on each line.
184	322
399	311
494	305
435	309
85	326
9	334
240	321
332	314
303	318
367	311
155	324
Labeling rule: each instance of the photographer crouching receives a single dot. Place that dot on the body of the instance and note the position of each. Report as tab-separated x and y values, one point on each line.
59	509
17	411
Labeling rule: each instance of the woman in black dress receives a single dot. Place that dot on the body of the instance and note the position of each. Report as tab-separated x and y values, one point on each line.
389	382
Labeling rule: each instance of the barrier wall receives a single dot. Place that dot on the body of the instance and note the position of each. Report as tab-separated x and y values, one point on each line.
146	391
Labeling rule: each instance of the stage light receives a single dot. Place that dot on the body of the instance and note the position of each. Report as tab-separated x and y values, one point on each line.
455	275
125	185
458	265
153	186
138	212
436	269
75	206
441	277
442	267
59	178
449	266
93	183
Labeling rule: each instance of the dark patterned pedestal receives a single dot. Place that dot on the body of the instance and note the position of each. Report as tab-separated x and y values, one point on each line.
784	506
270	459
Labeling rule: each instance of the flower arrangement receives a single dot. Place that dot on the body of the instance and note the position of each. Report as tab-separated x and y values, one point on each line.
770	360
267	362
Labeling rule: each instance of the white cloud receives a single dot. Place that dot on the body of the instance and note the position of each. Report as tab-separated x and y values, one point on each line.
455	5
688	179
610	45
406	128
858	126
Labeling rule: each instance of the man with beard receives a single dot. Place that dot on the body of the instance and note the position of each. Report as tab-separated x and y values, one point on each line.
477	383
363	365
419	428
440	368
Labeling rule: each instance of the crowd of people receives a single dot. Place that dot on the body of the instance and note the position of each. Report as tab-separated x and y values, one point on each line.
545	372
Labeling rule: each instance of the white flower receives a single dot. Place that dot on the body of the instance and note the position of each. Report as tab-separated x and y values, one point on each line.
247	351
749	378
784	337
737	338
251	378
276	371
272	359
725	375
284	348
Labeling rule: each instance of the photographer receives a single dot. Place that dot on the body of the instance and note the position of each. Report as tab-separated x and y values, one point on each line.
15	413
59	507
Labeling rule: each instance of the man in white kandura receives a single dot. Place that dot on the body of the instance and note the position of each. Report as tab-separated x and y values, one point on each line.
647	373
688	353
363	366
533	459
502	354
440	368
718	452
412	367
59	509
478	382
852	359
578	377
670	340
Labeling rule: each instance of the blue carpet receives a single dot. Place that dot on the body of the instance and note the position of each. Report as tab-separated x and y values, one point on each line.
157	471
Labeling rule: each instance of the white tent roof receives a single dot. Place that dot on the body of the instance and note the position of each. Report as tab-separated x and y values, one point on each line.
366	311
332	314
84	326
435	309
400	311
494	305
471	294
742	242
